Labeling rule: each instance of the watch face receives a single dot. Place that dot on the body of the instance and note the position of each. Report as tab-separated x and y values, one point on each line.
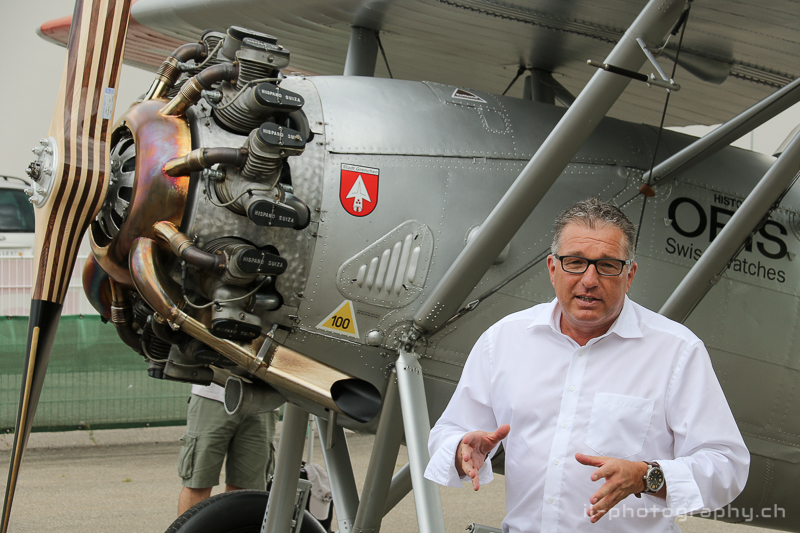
655	478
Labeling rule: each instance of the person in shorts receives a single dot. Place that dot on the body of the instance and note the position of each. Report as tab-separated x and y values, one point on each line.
211	436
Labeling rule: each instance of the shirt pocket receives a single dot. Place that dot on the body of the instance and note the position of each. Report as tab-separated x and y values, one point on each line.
618	424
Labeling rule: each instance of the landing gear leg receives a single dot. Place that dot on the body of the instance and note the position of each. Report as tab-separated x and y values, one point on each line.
287	470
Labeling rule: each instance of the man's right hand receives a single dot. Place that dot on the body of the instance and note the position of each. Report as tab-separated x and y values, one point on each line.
474	448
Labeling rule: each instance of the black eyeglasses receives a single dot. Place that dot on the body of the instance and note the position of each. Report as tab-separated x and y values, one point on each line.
578	265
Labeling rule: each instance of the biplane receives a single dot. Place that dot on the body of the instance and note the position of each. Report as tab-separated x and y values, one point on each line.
326	203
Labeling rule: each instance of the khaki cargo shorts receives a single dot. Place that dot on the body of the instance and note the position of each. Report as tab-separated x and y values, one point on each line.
245	443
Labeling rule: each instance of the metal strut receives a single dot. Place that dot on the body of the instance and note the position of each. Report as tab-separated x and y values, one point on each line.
764	197
340	473
281	503
382	461
417	426
735	128
362	52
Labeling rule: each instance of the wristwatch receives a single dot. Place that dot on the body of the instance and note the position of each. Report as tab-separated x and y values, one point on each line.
653	479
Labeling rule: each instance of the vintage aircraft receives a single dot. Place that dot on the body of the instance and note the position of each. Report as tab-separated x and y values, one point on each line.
339	242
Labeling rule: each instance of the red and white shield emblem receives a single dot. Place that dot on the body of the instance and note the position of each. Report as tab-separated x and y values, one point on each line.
358	189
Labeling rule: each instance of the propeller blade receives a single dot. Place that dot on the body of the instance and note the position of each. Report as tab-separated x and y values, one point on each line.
70	182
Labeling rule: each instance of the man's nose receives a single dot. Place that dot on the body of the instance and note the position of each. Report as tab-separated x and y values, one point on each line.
591	278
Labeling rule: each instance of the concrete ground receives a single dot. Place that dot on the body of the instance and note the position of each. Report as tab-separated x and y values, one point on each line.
125	481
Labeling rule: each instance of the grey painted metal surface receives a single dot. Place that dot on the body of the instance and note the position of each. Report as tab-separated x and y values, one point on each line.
417	426
280	507
401	485
439	183
340	474
541	172
361	52
732	238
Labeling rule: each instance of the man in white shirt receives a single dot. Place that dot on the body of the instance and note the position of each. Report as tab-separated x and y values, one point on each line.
596	399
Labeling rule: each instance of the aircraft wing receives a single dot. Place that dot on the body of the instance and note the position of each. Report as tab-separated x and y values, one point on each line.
743	49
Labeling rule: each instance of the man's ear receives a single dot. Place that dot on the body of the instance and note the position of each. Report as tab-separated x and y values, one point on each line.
551	267
631	273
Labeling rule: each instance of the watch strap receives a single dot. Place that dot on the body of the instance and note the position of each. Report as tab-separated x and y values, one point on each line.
651	465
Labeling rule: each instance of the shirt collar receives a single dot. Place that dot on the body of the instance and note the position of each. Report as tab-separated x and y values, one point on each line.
626	325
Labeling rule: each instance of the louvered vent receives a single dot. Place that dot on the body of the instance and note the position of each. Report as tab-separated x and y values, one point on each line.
390	272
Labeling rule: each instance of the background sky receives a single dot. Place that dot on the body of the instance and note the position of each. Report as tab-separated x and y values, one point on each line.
32	72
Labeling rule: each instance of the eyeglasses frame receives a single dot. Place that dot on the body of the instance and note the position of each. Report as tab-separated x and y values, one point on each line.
590	262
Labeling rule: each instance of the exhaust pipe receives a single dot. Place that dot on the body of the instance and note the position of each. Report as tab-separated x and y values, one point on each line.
250	399
282	367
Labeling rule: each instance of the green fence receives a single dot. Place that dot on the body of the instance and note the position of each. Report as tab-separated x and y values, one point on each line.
93	380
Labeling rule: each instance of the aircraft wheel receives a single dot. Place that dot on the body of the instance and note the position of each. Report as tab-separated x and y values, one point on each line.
239	511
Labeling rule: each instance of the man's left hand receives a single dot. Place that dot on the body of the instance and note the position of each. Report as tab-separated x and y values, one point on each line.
623	478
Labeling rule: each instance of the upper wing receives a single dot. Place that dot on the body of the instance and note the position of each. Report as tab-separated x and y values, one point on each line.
144	48
744	49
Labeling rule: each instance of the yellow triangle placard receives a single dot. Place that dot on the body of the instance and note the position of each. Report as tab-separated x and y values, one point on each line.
342	320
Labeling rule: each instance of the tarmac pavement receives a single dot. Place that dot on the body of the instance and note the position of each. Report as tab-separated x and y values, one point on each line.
125	481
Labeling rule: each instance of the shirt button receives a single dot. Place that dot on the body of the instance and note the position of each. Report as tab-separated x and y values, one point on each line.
550	500
572	389
564	425
555	462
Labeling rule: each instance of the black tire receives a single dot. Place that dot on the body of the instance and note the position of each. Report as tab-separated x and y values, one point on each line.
240	511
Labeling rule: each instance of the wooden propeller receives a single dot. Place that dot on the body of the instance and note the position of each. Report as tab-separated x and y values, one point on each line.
70	182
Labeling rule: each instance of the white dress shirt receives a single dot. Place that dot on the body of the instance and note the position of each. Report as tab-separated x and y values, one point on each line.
644	391
212	392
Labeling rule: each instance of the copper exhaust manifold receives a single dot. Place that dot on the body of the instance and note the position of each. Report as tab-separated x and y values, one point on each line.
278	365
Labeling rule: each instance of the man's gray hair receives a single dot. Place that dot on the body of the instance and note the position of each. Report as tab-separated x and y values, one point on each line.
595	214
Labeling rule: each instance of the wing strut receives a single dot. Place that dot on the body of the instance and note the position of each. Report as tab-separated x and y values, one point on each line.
750	216
362	52
652	25
744	123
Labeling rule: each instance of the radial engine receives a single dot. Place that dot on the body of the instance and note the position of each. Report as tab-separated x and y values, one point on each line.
187	247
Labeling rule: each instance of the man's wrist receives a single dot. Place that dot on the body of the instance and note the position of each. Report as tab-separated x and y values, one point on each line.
643	477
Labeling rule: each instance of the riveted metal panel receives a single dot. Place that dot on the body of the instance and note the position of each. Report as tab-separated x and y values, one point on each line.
392	271
681	225
410	118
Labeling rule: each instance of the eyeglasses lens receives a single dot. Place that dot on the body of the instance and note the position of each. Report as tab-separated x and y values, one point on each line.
579	265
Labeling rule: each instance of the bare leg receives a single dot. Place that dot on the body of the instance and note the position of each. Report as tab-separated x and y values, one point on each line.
229	487
190	497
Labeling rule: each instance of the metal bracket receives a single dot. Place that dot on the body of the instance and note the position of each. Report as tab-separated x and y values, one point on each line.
303	492
654	62
409	337
638	76
665	81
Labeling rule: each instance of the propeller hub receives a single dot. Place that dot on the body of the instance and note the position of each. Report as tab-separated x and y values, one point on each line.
42	170
114	210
